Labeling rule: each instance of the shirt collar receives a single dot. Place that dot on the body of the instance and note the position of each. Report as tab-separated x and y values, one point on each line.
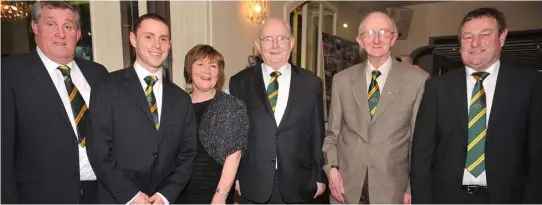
384	69
142	72
492	70
284	70
50	65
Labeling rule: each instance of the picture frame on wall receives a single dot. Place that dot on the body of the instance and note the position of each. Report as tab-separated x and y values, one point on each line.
338	54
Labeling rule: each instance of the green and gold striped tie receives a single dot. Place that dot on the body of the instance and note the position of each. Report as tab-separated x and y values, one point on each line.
79	108
151	80
374	92
273	89
475	162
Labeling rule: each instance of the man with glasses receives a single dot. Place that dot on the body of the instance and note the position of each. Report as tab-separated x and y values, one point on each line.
371	121
284	157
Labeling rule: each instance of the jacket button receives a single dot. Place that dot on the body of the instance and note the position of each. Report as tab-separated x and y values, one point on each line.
76	173
273	160
155	154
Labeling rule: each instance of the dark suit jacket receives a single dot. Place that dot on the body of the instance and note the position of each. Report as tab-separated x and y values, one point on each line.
126	151
297	141
40	157
513	142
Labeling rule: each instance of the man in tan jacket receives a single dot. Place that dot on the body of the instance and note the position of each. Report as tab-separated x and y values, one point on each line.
371	121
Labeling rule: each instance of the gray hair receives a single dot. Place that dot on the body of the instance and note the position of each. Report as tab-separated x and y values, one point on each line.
36	9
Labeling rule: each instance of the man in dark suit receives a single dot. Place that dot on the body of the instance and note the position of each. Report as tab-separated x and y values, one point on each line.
45	94
143	139
478	131
283	163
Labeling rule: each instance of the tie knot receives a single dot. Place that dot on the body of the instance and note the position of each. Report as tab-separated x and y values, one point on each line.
480	76
151	80
275	74
376	73
65	70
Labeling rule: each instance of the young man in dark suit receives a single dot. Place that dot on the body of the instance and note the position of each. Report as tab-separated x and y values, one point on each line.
478	132
143	139
45	95
283	163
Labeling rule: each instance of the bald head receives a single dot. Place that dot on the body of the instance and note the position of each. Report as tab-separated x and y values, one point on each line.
377	34
376	17
275	42
274	24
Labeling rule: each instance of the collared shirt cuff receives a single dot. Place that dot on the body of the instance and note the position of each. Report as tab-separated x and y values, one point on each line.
166	202
131	200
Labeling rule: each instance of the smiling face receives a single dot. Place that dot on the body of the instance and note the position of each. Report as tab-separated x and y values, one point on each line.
275	43
205	73
56	34
481	43
377	34
151	42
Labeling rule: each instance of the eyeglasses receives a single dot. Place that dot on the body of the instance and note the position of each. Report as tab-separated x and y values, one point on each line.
268	40
386	33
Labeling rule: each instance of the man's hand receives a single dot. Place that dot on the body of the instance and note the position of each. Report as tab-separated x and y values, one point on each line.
237	187
141	198
321	187
407	198
156	199
336	185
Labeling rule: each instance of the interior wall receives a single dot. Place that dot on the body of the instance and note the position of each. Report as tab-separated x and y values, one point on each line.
233	36
15	38
443	19
350	15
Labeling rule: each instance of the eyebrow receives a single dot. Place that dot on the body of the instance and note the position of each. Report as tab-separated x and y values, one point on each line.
485	30
150	33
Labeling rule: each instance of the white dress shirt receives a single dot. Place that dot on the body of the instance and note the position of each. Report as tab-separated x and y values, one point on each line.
157	89
384	72
489	84
284	87
284	91
85	170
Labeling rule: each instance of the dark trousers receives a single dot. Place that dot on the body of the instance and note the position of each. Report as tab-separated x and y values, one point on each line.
88	192
364	199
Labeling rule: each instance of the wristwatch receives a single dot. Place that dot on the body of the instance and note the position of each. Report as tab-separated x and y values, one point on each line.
335	166
223	192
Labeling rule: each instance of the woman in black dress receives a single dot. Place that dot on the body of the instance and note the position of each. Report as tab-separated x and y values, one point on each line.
222	130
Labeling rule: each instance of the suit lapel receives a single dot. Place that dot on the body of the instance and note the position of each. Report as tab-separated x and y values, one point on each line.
293	96
459	100
44	82
261	93
359	91
503	89
134	87
168	106
391	89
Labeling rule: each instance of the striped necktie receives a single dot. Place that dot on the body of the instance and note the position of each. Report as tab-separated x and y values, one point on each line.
475	162
79	108
151	80
374	92
273	89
